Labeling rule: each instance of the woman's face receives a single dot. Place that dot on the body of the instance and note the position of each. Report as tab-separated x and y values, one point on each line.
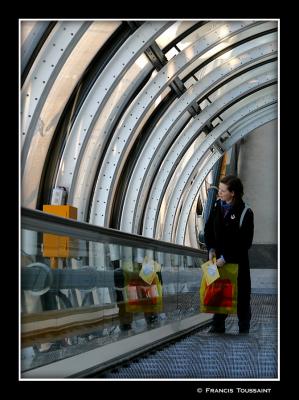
224	193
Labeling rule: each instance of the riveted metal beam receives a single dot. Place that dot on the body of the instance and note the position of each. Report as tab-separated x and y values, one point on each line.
46	68
167	169
109	174
253	121
99	95
46	91
126	135
165	132
39	31
174	204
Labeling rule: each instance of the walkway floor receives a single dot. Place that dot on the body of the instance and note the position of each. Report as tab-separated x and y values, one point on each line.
222	356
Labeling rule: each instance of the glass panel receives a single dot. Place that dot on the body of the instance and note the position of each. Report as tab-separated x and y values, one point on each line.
204	104
198	33
171	53
216	122
191	81
174	31
77	295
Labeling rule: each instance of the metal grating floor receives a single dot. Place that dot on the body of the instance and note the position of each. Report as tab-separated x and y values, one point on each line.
206	355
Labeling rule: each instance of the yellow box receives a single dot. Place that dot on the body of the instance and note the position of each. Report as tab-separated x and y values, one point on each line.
55	245
66	211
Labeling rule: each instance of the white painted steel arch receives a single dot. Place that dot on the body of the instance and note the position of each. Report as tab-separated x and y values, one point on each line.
31	34
125	136
44	71
183	186
58	67
166	131
257	119
99	94
182	143
92	149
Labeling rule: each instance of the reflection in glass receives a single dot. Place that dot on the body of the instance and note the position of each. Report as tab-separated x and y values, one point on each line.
97	293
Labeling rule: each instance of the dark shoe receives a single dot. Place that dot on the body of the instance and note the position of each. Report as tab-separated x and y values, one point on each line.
215	329
152	319
125	327
244	327
244	331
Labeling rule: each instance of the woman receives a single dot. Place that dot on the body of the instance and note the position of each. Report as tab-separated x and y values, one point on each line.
229	243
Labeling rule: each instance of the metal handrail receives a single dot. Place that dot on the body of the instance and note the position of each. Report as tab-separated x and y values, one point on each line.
43	222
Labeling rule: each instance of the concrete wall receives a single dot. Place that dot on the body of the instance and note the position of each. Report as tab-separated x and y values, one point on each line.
258	169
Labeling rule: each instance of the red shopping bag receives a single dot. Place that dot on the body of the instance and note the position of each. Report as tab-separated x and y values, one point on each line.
221	295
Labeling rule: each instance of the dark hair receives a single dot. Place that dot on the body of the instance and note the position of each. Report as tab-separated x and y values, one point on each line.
235	185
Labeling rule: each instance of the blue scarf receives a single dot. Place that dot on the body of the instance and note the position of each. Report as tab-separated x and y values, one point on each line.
226	207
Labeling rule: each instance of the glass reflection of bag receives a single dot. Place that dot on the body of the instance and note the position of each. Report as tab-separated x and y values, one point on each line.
221	295
142	297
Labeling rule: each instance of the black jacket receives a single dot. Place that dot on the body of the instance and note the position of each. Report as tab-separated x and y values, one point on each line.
226	237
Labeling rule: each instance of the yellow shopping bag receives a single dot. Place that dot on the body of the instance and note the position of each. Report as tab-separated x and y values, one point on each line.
221	295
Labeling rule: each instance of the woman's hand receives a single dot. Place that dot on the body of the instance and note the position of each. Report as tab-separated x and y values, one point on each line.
212	254
220	262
